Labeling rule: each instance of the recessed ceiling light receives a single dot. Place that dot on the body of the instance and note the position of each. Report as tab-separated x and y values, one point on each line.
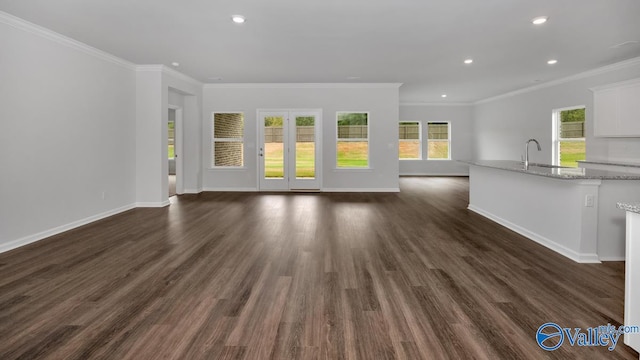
552	61
468	61
539	20
176	64
238	19
444	95
353	77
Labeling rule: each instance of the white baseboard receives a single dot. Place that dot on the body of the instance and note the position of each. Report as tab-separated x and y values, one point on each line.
153	204
60	229
251	189
192	191
361	190
612	258
231	189
548	243
434	174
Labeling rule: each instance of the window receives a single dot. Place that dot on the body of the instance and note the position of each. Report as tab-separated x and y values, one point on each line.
353	140
569	144
438	141
410	146
171	131
227	148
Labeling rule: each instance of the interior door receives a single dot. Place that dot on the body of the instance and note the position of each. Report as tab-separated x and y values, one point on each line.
289	153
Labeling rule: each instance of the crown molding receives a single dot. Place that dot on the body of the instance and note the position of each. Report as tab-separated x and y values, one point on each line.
167	71
624	83
303	86
38	30
601	70
178	75
150	68
436	104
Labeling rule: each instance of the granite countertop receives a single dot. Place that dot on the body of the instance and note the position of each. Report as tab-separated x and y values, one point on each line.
632	207
624	164
555	171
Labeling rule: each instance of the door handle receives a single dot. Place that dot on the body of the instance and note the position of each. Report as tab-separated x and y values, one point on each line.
261	153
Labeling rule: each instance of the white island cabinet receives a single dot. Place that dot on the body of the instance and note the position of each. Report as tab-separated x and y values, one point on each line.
569	210
632	274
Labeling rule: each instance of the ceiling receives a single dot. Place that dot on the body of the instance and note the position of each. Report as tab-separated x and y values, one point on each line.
421	43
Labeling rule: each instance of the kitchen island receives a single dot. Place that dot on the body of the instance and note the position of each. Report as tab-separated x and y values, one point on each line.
632	272
569	210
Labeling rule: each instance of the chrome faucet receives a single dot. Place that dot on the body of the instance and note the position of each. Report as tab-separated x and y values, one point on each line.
526	151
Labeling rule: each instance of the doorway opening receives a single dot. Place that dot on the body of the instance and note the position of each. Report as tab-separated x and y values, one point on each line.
290	151
171	141
174	147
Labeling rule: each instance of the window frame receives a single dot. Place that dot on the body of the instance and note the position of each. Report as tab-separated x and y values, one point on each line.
556	133
448	158
169	122
420	147
368	140
213	140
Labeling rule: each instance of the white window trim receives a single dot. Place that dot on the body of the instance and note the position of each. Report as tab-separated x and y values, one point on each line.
213	140
368	140
555	135
419	140
448	158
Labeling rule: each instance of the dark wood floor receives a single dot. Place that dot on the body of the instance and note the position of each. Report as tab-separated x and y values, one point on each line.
412	275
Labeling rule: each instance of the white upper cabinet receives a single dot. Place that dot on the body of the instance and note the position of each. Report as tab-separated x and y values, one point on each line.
617	109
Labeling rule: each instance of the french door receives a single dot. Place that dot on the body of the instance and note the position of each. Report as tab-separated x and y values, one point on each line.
289	150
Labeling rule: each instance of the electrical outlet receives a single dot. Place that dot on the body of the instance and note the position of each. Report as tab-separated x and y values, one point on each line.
588	200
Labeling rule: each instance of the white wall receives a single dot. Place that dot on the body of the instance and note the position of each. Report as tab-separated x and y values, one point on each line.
175	98
380	100
185	92
192	144
84	133
149	114
502	125
460	117
154	85
68	134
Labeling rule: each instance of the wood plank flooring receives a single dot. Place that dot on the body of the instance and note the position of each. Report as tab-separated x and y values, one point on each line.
412	275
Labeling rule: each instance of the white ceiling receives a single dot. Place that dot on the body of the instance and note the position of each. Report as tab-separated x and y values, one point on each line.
421	43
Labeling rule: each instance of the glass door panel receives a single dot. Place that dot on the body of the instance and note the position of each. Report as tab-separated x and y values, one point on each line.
273	147
304	130
305	147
